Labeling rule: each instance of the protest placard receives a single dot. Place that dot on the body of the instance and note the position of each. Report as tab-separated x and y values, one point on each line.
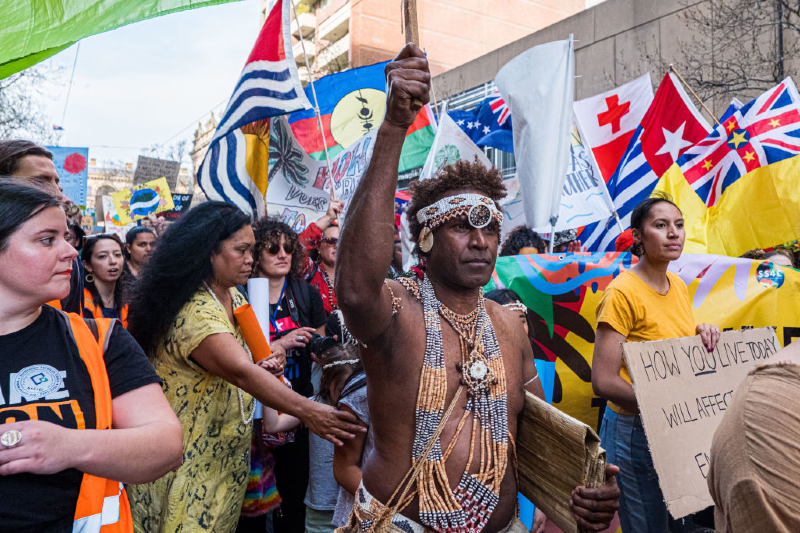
73	171
139	201
150	168
182	204
299	186
683	391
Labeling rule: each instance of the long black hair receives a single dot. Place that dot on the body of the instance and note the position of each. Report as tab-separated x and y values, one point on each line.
86	257
181	262
18	204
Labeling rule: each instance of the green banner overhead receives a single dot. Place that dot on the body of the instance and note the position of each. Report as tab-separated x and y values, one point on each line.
34	30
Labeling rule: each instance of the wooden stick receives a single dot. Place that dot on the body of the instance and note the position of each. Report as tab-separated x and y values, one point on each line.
710	114
411	30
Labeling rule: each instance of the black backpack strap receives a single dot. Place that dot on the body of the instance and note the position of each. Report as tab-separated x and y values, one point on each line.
93	328
300	301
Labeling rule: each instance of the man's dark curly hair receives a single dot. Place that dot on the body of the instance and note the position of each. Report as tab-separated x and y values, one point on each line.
268	230
519	238
463	175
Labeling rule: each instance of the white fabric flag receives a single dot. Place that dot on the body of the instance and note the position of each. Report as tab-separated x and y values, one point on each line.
450	145
537	85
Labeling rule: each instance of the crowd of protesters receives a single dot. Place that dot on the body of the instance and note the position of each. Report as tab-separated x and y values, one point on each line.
139	338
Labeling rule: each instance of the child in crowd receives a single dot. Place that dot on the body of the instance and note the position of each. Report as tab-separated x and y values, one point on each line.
340	364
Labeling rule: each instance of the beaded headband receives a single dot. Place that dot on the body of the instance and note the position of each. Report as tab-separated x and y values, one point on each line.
479	210
342	362
516	306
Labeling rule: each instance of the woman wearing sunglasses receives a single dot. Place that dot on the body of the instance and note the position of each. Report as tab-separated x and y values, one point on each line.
104	261
320	239
296	313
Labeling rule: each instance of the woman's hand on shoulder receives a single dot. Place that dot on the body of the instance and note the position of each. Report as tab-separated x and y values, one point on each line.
44	448
709	333
331	424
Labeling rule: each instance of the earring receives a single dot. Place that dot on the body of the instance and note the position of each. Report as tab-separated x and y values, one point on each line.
89	277
426	240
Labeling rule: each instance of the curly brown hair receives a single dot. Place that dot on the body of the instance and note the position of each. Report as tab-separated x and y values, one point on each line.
268	230
463	175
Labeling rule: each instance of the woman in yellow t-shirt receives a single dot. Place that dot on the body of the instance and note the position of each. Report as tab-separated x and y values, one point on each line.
645	303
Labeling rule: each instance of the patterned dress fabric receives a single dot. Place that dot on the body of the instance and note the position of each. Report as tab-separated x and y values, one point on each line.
206	492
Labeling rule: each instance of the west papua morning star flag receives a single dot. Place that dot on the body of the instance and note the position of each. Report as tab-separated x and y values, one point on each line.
671	125
268	87
607	121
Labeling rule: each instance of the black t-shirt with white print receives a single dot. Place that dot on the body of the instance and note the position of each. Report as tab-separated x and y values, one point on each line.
42	377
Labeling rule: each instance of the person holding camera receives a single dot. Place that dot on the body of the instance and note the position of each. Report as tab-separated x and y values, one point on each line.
297	323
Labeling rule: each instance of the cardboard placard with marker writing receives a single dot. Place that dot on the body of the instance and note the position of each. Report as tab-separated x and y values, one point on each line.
683	391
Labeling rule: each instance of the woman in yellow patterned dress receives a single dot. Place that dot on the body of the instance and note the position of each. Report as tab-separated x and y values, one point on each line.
181	313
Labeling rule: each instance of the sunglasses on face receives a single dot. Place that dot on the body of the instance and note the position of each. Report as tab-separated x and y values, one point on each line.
274	248
333	241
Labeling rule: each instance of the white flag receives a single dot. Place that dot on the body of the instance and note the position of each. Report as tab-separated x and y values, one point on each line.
450	145
537	85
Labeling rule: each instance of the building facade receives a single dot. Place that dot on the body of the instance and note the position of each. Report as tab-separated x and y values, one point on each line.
340	34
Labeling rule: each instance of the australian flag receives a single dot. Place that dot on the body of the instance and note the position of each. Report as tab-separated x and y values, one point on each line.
489	124
268	87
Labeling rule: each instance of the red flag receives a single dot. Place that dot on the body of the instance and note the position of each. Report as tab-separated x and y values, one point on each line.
607	121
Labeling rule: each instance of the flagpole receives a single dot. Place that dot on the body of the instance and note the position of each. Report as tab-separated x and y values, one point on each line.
606	194
702	104
316	103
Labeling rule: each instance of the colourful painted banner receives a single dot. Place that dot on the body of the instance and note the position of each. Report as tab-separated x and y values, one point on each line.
562	293
137	202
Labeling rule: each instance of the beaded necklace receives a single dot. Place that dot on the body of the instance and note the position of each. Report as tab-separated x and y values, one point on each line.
328	284
469	507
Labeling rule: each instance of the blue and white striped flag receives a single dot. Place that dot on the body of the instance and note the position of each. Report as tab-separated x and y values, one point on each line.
268	87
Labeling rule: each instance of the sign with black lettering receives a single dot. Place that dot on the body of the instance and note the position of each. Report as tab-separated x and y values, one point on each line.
150	168
683	391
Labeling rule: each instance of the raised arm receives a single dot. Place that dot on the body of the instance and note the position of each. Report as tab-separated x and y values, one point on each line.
366	243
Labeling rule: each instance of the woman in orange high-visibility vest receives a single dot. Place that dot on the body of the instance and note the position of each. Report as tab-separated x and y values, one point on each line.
81	408
103	293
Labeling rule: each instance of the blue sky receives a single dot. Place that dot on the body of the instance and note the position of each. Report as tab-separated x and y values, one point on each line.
142	84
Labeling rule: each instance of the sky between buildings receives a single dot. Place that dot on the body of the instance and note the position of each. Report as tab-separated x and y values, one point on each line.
152	81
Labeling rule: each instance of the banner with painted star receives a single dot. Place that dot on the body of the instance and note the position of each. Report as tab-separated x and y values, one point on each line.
741	181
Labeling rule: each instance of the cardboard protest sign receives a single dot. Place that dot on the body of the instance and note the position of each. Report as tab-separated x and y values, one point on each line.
683	391
73	172
299	185
182	204
139	201
150	168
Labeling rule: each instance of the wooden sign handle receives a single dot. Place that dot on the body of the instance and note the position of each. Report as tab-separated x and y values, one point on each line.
411	30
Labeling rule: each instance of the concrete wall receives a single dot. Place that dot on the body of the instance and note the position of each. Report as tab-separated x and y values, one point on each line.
618	40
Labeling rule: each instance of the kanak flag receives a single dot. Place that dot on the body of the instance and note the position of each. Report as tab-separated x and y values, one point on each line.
671	125
607	121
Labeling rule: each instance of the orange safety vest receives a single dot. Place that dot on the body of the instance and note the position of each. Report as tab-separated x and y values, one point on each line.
97	313
102	503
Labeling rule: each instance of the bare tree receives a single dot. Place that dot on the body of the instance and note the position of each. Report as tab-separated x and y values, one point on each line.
739	47
21	113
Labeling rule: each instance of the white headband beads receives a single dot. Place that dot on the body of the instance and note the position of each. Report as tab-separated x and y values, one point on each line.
479	209
342	362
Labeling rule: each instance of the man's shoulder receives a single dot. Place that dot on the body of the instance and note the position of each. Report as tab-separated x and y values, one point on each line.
410	284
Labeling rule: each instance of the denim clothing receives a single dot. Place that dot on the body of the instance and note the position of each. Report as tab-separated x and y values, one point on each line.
641	503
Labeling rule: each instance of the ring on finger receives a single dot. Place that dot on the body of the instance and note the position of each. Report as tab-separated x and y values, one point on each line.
10	438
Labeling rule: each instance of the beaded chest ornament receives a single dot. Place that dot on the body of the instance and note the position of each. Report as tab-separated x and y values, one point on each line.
480	211
468	507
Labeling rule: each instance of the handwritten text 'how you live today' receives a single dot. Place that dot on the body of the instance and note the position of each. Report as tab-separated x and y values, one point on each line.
682	391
